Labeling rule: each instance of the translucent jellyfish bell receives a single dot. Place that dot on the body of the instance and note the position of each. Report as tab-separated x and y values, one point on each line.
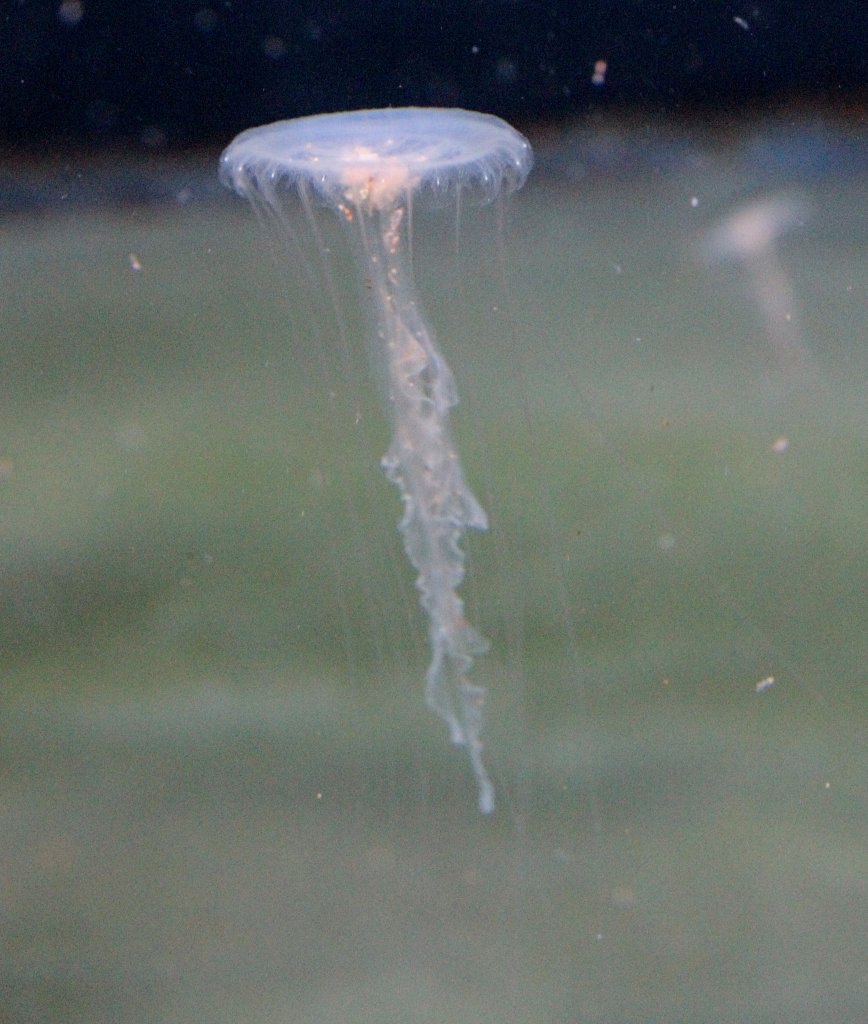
376	158
370	166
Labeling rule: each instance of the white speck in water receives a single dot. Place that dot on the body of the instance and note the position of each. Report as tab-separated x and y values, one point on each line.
764	684
70	12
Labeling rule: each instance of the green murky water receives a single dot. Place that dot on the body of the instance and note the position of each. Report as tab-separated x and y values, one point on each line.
222	798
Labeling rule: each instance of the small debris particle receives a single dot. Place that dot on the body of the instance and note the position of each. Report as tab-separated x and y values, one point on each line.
623	897
742	23
780	445
599	75
764	684
70	12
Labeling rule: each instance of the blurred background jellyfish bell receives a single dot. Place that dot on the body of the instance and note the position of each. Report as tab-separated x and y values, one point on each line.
371	167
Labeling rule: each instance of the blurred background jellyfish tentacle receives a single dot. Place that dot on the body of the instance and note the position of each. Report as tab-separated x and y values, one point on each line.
369	166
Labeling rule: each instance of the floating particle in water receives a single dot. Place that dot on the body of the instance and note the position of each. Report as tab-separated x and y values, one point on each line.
70	12
764	684
599	75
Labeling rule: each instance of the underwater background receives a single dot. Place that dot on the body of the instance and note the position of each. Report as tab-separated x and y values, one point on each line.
222	798
221	795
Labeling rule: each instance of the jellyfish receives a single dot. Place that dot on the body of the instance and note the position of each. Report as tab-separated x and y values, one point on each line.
749	235
370	167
